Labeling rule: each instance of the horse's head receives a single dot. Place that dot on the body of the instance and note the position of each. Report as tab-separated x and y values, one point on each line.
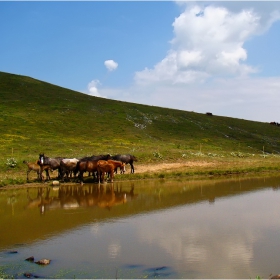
108	156
41	158
122	168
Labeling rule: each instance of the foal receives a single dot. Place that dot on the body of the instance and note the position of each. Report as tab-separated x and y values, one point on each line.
34	166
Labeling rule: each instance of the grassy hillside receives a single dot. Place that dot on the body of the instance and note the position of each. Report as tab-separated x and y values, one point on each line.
36	117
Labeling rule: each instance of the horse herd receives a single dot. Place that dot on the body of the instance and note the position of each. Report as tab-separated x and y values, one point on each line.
97	166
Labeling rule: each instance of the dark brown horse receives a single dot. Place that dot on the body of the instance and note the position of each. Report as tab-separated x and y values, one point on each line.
126	159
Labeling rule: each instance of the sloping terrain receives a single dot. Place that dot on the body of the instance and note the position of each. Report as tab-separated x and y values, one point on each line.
36	117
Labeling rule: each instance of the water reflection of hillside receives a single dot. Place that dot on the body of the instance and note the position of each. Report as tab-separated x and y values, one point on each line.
36	213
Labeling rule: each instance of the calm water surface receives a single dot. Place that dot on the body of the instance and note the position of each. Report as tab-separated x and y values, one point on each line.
226	228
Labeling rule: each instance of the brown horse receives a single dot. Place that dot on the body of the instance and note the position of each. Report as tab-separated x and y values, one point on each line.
109	167
35	166
86	166
89	164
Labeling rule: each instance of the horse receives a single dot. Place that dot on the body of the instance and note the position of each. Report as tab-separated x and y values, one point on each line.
54	164
34	166
99	157
89	164
118	164
68	165
109	167
126	159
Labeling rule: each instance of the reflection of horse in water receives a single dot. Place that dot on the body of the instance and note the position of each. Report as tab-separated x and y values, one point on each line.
110	198
91	196
41	200
71	197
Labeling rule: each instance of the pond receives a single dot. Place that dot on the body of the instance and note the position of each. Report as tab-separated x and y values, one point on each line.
214	228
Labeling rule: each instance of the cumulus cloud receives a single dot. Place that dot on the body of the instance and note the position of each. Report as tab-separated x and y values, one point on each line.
111	65
92	88
208	41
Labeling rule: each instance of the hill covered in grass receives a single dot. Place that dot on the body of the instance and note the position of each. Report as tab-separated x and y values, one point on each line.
36	116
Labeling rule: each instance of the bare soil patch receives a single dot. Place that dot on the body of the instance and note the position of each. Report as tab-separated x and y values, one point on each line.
151	168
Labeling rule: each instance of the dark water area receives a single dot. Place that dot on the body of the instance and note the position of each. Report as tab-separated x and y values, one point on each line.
214	228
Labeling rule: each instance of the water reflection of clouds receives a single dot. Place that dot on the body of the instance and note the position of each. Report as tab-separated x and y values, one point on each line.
114	249
211	239
95	228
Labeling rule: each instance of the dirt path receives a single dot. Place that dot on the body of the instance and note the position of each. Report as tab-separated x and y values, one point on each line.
169	166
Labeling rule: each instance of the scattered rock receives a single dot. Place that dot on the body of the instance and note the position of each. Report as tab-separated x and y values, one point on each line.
275	276
30	275
12	252
30	259
55	183
43	262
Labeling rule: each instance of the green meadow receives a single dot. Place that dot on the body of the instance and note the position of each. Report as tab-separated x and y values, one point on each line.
38	117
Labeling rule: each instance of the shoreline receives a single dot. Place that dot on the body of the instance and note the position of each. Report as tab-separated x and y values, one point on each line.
194	169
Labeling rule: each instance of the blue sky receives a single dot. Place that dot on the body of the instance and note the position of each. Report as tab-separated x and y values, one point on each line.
219	57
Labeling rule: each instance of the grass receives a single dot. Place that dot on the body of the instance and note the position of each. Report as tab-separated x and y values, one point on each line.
36	117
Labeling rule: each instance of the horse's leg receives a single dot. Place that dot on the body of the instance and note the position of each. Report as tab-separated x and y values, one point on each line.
41	172
59	173
94	176
112	175
132	167
102	174
64	173
80	176
27	173
48	177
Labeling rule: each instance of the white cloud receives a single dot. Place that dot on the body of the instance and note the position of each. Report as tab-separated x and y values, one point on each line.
92	88
207	42
205	69
111	65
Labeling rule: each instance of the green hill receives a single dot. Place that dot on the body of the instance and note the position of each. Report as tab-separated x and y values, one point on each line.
37	116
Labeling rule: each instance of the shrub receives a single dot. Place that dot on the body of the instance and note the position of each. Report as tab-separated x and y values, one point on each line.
11	162
157	155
